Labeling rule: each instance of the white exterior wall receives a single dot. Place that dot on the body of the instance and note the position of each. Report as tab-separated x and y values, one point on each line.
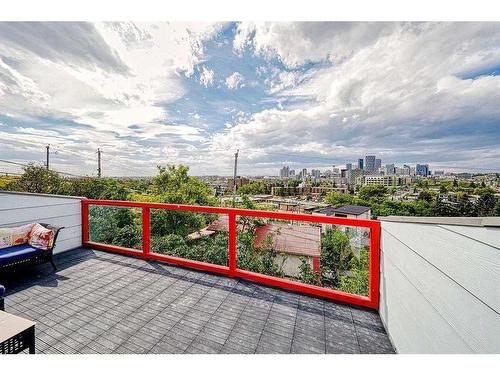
440	286
291	263
23	208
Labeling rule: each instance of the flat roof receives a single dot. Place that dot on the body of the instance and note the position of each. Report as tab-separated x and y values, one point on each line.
291	239
349	210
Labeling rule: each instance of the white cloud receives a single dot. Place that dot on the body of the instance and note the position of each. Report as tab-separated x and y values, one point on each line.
235	81
395	89
389	89
207	77
296	43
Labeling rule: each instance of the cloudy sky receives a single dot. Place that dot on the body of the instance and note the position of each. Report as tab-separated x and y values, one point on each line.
298	94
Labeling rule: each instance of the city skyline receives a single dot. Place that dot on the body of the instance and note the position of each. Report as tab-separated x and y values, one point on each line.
149	94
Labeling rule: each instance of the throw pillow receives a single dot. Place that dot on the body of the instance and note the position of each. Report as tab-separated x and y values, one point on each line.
41	237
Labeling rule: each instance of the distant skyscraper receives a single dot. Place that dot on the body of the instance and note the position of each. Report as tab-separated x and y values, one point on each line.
378	164
348	166
285	172
292	172
335	171
360	164
422	169
316	173
304	174
370	163
406	170
390	169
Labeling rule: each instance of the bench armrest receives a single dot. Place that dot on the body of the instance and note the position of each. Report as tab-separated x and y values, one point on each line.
56	232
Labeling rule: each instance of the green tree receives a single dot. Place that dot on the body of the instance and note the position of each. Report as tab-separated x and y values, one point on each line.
443	189
337	199
358	280
306	273
174	185
336	253
95	188
443	208
485	205
372	192
37	179
255	187
465	207
425	195
496	212
115	226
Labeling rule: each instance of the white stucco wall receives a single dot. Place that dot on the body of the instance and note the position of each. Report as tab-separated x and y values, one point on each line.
290	264
439	285
24	208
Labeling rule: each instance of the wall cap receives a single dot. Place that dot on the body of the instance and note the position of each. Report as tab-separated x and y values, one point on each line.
6	192
493	221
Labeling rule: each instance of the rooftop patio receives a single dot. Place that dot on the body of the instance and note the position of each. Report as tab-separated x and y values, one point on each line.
99	302
433	287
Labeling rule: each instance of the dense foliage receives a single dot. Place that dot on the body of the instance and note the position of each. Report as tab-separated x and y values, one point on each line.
427	203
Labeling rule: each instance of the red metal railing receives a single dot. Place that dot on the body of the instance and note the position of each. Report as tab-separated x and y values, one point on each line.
372	300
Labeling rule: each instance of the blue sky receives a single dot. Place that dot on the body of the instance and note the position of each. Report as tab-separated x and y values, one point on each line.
304	94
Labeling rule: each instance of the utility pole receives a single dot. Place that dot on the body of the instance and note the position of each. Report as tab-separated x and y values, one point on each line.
234	175
48	151
98	162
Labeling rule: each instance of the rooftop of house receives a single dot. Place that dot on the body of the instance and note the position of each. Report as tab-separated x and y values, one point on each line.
291	239
344	210
99	302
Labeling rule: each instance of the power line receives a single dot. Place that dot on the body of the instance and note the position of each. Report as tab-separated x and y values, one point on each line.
13	162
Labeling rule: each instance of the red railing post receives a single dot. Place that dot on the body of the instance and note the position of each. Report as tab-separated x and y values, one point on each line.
146	231
374	268
85	222
232	243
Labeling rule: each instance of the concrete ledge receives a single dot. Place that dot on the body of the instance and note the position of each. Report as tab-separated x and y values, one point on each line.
493	221
40	194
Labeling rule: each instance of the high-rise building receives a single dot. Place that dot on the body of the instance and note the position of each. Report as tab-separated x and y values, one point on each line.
378	164
336	171
348	166
353	174
390	169
422	169
292	173
360	164
285	172
370	163
304	174
316	173
406	170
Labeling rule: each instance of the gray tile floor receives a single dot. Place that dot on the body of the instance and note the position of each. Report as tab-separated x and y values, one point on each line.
99	302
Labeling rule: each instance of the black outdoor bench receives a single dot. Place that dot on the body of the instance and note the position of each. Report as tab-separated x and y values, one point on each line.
25	255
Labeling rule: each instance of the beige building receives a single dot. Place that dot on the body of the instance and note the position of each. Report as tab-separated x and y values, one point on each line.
378	180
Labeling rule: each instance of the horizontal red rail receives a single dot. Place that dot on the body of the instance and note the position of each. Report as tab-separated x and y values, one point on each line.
371	301
238	211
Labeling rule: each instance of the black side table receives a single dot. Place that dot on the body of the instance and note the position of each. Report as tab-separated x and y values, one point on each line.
16	334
